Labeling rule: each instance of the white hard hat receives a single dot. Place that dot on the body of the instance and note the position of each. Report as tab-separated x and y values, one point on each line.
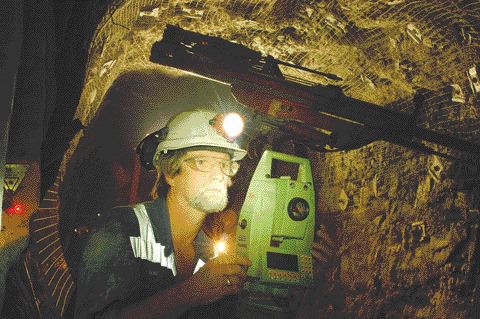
194	128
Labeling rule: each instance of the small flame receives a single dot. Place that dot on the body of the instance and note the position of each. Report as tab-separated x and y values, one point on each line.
220	247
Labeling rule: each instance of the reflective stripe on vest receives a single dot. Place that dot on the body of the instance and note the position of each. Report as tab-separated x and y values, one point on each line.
145	246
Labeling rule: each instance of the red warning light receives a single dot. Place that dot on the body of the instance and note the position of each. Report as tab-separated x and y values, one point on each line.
16	209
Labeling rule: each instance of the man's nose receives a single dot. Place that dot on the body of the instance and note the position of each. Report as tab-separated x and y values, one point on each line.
217	172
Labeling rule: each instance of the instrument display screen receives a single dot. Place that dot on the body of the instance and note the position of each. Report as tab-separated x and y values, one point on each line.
282	261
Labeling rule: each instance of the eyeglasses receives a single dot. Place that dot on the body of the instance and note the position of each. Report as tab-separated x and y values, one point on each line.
207	164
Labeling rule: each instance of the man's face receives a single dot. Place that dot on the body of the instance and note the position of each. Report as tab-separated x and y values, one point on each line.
201	181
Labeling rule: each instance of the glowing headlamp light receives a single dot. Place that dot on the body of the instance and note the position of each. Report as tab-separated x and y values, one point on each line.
233	124
229	125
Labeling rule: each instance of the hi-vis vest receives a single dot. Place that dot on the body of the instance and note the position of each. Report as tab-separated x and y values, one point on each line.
146	247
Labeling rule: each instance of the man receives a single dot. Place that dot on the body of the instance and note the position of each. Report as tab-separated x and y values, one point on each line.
153	260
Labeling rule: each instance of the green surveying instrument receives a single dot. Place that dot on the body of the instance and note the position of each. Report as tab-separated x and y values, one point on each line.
275	231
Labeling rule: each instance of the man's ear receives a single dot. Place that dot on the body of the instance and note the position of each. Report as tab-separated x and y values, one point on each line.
169	179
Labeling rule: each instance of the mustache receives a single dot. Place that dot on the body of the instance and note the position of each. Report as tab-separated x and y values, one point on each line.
216	190
219	188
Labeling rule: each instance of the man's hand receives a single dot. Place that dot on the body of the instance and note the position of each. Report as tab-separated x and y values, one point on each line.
224	275
323	250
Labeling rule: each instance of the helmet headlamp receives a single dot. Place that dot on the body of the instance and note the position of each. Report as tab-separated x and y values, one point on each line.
191	129
228	125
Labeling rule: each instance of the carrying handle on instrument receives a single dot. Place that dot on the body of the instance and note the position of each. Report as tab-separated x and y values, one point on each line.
264	167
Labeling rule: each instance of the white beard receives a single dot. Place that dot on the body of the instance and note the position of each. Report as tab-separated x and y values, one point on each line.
210	200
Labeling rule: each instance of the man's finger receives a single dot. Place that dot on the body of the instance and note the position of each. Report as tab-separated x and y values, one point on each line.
322	249
232	259
232	289
231	269
319	257
234	281
323	236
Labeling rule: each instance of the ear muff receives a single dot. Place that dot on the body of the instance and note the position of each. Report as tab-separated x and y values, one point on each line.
147	148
